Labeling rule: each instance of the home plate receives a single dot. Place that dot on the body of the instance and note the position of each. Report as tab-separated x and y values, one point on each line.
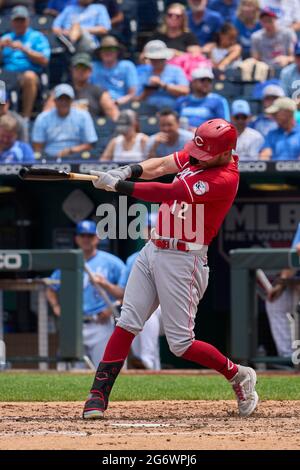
140	425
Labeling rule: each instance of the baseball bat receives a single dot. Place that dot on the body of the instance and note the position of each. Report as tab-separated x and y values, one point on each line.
46	174
102	292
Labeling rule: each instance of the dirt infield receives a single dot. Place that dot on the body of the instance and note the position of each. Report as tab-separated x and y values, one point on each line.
153	425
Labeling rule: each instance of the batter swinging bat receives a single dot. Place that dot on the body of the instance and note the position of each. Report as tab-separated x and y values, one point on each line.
46	174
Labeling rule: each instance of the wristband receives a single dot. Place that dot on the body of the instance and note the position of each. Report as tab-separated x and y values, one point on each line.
136	171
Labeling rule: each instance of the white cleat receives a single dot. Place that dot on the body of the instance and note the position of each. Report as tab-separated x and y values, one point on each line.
243	384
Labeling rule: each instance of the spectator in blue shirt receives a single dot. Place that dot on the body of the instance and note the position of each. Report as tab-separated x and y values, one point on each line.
11	149
203	22
83	24
247	23
282	143
201	104
118	77
64	130
290	75
54	7
160	83
264	123
227	8
25	52
170	138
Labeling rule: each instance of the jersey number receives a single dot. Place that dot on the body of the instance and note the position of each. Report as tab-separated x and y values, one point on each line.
183	208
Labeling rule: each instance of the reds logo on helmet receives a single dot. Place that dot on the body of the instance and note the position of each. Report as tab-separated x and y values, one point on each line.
199	141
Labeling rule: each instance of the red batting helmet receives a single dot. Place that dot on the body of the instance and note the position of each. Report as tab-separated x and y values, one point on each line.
212	138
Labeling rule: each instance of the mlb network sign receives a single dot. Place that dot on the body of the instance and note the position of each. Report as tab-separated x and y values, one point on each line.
13	261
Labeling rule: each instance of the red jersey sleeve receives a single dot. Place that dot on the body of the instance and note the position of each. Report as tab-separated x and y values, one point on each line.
181	158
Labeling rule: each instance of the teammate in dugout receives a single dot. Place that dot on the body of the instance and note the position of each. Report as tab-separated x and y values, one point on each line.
172	270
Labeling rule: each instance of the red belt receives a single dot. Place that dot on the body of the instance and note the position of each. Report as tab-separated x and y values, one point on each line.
169	245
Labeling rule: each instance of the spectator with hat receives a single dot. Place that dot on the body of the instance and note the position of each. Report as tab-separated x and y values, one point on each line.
264	123
64	130
88	97
273	44
13	150
25	52
203	21
117	76
249	140
83	24
130	144
170	138
202	104
288	12
160	83
290	75
282	143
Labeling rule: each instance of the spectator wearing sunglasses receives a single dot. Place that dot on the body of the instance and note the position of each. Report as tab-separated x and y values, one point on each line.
201	104
118	77
175	32
282	143
249	140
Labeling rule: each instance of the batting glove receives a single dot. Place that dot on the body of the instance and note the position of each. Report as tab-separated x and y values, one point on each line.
105	181
123	172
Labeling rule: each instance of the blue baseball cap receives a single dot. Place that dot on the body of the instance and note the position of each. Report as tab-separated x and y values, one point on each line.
297	48
240	107
86	227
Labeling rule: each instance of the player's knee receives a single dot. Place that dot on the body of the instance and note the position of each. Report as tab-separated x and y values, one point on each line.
178	348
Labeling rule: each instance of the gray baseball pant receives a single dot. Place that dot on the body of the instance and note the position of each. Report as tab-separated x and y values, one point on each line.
174	279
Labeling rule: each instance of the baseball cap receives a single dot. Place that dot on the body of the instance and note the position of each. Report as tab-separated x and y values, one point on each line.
279	104
202	72
109	41
273	90
268	12
64	89
125	121
297	48
82	58
19	12
240	107
86	227
212	138
158	50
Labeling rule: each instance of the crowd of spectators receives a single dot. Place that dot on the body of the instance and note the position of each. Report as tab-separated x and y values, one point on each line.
124	99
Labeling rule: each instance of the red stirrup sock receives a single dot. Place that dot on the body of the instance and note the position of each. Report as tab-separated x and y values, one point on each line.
207	355
118	346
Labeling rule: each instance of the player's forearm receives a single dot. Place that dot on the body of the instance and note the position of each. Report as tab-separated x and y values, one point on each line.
154	168
52	298
151	192
114	290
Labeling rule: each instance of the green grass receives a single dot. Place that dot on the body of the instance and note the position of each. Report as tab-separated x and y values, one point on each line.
72	387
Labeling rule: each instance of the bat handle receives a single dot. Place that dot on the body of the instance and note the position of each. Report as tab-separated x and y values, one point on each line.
82	177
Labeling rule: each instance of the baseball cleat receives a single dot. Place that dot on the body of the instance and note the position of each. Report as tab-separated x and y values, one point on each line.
94	407
243	384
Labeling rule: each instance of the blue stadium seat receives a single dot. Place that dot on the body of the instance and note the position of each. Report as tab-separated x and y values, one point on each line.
105	131
12	87
149	125
4	24
228	89
141	108
42	23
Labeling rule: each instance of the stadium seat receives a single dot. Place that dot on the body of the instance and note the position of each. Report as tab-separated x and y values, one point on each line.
42	23
12	87
59	61
149	125
141	108
4	24
228	89
105	131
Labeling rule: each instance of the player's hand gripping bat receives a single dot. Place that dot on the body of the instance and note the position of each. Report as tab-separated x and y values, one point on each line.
46	174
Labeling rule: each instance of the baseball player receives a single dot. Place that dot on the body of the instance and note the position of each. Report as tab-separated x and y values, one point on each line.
98	323
172	267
